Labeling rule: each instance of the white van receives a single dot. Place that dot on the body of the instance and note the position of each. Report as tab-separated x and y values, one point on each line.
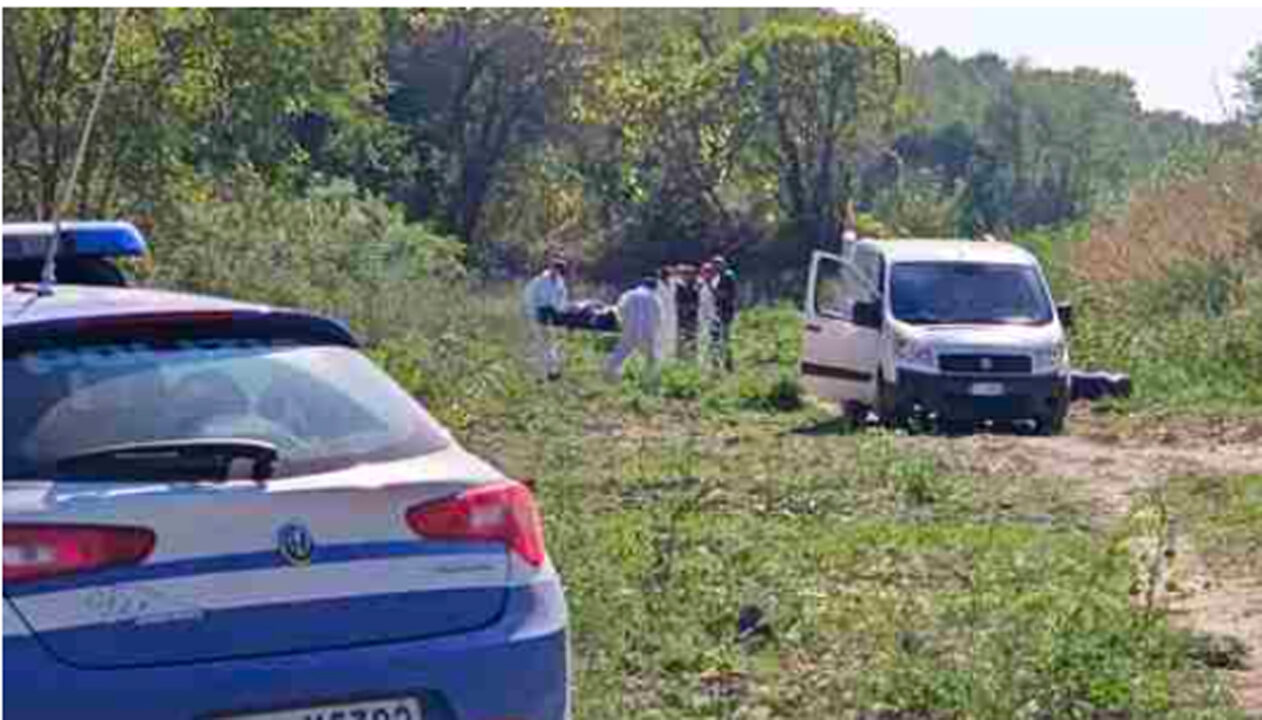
956	331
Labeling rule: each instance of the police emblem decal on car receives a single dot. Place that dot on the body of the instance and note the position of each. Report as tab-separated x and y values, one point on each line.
295	543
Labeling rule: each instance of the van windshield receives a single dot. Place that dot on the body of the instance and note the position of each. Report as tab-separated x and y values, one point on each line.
956	293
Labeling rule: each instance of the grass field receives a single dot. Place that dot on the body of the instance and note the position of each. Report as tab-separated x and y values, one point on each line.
730	552
1224	515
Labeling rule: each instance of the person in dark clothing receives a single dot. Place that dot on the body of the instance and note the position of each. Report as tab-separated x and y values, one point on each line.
687	309
726	299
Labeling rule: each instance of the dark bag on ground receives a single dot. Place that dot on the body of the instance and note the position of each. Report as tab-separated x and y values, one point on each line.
1085	385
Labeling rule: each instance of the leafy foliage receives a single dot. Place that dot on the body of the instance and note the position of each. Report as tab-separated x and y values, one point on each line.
1015	147
625	138
670	173
195	91
1170	290
477	87
341	254
1250	79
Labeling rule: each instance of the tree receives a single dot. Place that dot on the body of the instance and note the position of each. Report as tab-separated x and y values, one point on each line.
1068	139
277	73
1250	85
194	90
478	89
667	158
1033	146
827	91
52	61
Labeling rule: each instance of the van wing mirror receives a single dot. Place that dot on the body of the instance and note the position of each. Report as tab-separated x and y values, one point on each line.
868	314
1065	311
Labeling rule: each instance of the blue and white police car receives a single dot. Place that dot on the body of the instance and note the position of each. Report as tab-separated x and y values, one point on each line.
221	510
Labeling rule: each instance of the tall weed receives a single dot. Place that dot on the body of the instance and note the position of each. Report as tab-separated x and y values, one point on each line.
1170	289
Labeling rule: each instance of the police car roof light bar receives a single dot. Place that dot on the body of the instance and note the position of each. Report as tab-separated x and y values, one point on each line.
25	241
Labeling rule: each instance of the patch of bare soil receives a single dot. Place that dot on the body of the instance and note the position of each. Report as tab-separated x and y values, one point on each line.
1113	461
1227	608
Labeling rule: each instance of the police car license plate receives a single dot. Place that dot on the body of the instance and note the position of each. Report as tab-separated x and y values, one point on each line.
397	709
986	389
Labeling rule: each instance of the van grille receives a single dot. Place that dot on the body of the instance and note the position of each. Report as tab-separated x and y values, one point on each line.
986	363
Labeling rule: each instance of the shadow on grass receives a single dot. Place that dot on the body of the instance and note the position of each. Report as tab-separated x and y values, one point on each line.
832	426
840	426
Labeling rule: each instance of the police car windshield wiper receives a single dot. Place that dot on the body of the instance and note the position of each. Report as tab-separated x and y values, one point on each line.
201	459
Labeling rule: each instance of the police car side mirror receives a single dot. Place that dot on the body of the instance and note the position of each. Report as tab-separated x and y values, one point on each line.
868	314
1065	312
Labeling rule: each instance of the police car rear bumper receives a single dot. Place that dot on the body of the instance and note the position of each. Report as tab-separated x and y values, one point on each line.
518	667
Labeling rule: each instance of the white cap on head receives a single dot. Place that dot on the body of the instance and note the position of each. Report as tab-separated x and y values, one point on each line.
849	236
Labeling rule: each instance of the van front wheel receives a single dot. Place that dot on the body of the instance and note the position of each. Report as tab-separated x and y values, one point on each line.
1053	424
855	414
892	414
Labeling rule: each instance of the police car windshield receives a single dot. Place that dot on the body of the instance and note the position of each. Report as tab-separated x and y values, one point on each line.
323	407
958	293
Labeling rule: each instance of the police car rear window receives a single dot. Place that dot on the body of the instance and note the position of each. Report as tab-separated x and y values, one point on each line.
325	407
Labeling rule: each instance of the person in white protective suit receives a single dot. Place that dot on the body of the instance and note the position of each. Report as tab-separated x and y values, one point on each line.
707	317
668	337
544	297
640	314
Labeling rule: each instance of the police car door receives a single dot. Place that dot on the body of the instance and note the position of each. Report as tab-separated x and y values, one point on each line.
841	339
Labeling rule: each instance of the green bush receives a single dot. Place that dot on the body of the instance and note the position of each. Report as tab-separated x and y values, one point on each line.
335	252
401	288
785	393
1191	341
768	336
682	381
1169	288
782	392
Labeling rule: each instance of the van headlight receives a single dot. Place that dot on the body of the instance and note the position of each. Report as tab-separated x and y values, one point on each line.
1053	358
912	352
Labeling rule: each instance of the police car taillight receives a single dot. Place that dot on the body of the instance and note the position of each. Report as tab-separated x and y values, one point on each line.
35	552
500	512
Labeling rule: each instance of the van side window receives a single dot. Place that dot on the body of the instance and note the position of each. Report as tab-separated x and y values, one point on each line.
828	288
838	287
868	265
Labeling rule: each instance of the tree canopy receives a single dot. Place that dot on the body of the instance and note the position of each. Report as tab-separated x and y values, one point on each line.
1250	80
623	137
194	91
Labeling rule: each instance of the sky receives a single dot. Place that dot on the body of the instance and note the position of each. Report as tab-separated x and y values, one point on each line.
1175	55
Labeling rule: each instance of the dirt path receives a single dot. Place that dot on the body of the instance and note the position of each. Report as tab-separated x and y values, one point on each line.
1112	470
1114	464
